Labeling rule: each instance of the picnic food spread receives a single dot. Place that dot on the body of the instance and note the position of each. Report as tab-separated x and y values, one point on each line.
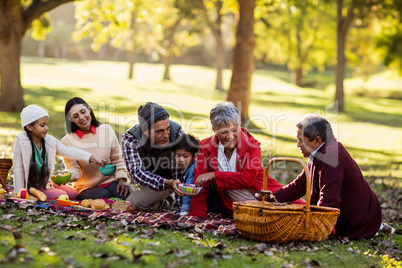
42	197
123	205
95	204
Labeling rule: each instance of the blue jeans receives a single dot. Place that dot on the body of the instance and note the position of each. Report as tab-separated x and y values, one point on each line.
101	192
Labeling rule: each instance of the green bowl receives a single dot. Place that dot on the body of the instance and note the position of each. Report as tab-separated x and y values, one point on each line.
108	170
61	179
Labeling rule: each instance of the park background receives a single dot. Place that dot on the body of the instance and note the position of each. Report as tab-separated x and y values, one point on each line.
118	55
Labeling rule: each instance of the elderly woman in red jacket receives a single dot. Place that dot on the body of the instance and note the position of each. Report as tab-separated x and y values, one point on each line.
229	163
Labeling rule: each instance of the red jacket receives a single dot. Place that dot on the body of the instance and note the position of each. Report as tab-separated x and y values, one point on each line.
249	175
336	181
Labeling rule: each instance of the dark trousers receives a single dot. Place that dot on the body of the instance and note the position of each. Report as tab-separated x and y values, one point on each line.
101	192
213	202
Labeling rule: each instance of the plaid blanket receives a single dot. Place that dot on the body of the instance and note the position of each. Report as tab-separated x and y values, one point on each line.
216	223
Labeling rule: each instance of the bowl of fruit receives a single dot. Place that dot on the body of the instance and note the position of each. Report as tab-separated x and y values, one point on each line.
108	170
61	178
189	189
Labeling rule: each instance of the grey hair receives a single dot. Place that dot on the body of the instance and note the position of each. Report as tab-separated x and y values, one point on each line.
224	112
314	125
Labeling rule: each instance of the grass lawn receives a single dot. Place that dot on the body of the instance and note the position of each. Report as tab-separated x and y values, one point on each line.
370	129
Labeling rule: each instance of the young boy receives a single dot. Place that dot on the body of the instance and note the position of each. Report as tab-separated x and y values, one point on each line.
186	150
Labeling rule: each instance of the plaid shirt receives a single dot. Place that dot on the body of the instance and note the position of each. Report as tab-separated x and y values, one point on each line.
139	173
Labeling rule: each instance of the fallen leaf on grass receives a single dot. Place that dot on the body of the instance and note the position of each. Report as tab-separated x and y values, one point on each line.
125	243
99	255
389	243
93	232
32	212
17	235
261	247
219	245
7	216
6	227
44	249
180	263
15	251
182	253
116	258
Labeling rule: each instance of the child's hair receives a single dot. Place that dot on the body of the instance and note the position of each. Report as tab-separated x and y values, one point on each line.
35	179
72	127
188	143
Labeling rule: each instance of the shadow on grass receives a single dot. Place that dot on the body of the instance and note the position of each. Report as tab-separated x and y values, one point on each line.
354	110
380	118
37	93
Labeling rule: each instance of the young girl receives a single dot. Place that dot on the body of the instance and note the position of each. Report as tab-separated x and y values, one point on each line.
34	154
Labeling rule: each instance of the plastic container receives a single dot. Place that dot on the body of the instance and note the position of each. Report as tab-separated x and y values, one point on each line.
108	170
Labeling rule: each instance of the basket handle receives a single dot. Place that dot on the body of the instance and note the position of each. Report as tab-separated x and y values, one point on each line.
295	160
4	184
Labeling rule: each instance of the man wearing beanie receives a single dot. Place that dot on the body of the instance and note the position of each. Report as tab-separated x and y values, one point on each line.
148	154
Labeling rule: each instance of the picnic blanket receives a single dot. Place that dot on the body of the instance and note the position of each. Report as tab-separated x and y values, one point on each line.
216	223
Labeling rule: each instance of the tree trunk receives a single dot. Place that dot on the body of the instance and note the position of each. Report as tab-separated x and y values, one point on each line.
220	61
168	62
343	24
11	94
41	49
340	71
132	50
15	20
243	61
131	62
297	75
169	39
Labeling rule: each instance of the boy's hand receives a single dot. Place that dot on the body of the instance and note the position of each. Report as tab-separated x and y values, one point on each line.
204	178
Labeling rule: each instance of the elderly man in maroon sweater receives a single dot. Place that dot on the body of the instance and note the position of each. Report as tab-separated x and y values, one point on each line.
336	180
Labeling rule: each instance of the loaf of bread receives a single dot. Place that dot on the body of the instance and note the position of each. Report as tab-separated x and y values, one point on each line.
123	205
86	203
40	195
98	204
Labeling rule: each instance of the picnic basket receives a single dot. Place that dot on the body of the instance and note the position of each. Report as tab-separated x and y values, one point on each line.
281	223
5	165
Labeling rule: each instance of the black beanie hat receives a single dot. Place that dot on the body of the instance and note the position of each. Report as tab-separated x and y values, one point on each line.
149	114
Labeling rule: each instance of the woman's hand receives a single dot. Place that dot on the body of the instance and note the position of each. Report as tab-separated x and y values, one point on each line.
97	161
122	187
204	178
173	184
